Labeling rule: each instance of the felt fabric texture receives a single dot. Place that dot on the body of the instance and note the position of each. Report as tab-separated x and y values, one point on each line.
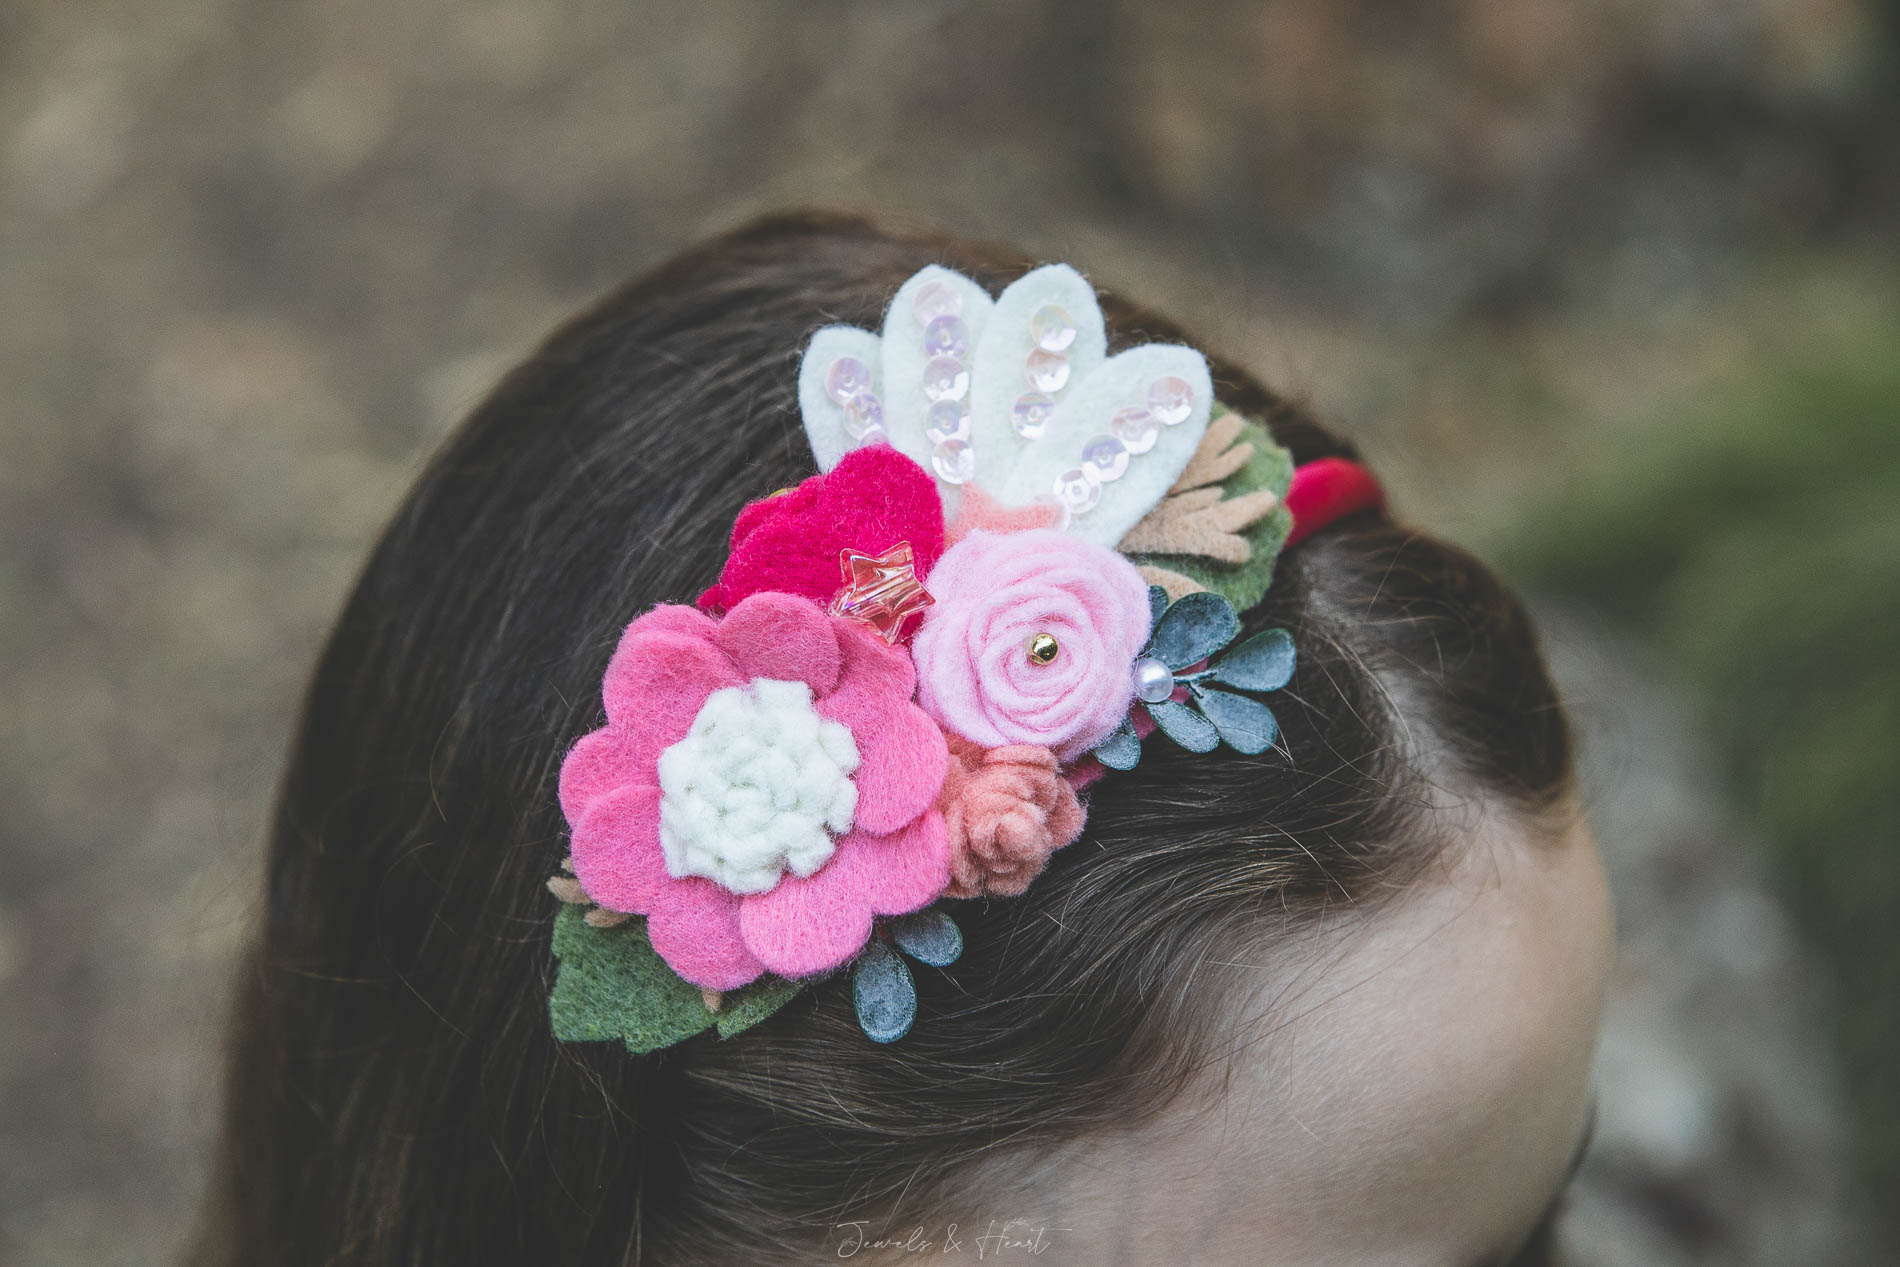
1006	809
1173	584
883	994
823	416
930	937
1223	451
894	859
1266	472
1263	662
979	512
1201	524
1193	629
1245	725
1328	490
997	380
1121	750
906	407
805	927
1185	726
759	786
996	591
871	500
1121	380
612	986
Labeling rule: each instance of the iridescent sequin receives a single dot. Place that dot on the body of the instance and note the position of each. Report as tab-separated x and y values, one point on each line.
946	378
1075	490
1136	427
846	378
949	420
947	336
1052	328
1104	458
1031	413
954	461
1047	371
935	299
863	413
1171	399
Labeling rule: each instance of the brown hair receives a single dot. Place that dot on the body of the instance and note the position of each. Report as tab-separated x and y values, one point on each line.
395	1095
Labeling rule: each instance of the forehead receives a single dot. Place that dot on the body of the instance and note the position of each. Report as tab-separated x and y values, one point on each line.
1412	1083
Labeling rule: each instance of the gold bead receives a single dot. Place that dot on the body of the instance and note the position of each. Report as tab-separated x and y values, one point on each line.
1043	648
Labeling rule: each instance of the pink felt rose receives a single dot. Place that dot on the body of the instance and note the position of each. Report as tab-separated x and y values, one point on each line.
995	592
789	543
762	789
1006	810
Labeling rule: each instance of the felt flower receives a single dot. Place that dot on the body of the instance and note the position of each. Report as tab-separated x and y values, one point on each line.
763	788
1031	640
1006	809
789	543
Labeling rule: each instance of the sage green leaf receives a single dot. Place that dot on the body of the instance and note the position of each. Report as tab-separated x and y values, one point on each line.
1185	726
1193	628
612	985
1262	663
1244	584
883	992
1245	724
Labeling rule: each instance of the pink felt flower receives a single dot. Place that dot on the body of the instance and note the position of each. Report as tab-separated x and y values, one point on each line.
1006	809
874	498
977	664
762	789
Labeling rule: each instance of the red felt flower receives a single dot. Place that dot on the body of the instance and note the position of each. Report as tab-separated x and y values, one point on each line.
789	543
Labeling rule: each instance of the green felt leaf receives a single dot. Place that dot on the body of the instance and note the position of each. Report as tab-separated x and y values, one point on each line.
1244	584
611	985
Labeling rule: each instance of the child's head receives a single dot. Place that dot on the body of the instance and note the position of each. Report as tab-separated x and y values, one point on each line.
1330	1003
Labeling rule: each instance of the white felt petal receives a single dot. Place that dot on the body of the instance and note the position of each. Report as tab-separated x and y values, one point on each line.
1121	380
1001	360
824	419
906	408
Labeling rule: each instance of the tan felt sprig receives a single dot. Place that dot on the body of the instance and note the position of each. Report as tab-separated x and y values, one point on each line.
569	890
1193	519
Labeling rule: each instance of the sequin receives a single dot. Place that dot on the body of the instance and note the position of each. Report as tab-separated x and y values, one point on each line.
862	413
933	300
873	436
1047	371
946	378
846	378
1031	414
1154	681
954	461
1075	490
949	420
1052	328
1105	458
947	336
1171	399
1136	427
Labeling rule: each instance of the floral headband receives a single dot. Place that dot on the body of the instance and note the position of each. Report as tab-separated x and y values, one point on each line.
1022	556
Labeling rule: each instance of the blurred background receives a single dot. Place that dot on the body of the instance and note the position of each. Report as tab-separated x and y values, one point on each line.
1605	289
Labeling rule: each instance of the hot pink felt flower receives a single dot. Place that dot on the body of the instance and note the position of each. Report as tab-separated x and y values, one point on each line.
762	789
1006	809
789	543
984	673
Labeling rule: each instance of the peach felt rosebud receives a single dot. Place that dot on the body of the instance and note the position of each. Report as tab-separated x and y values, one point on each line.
1031	641
1006	810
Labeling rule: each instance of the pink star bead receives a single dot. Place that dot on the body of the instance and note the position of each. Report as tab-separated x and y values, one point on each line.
880	590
